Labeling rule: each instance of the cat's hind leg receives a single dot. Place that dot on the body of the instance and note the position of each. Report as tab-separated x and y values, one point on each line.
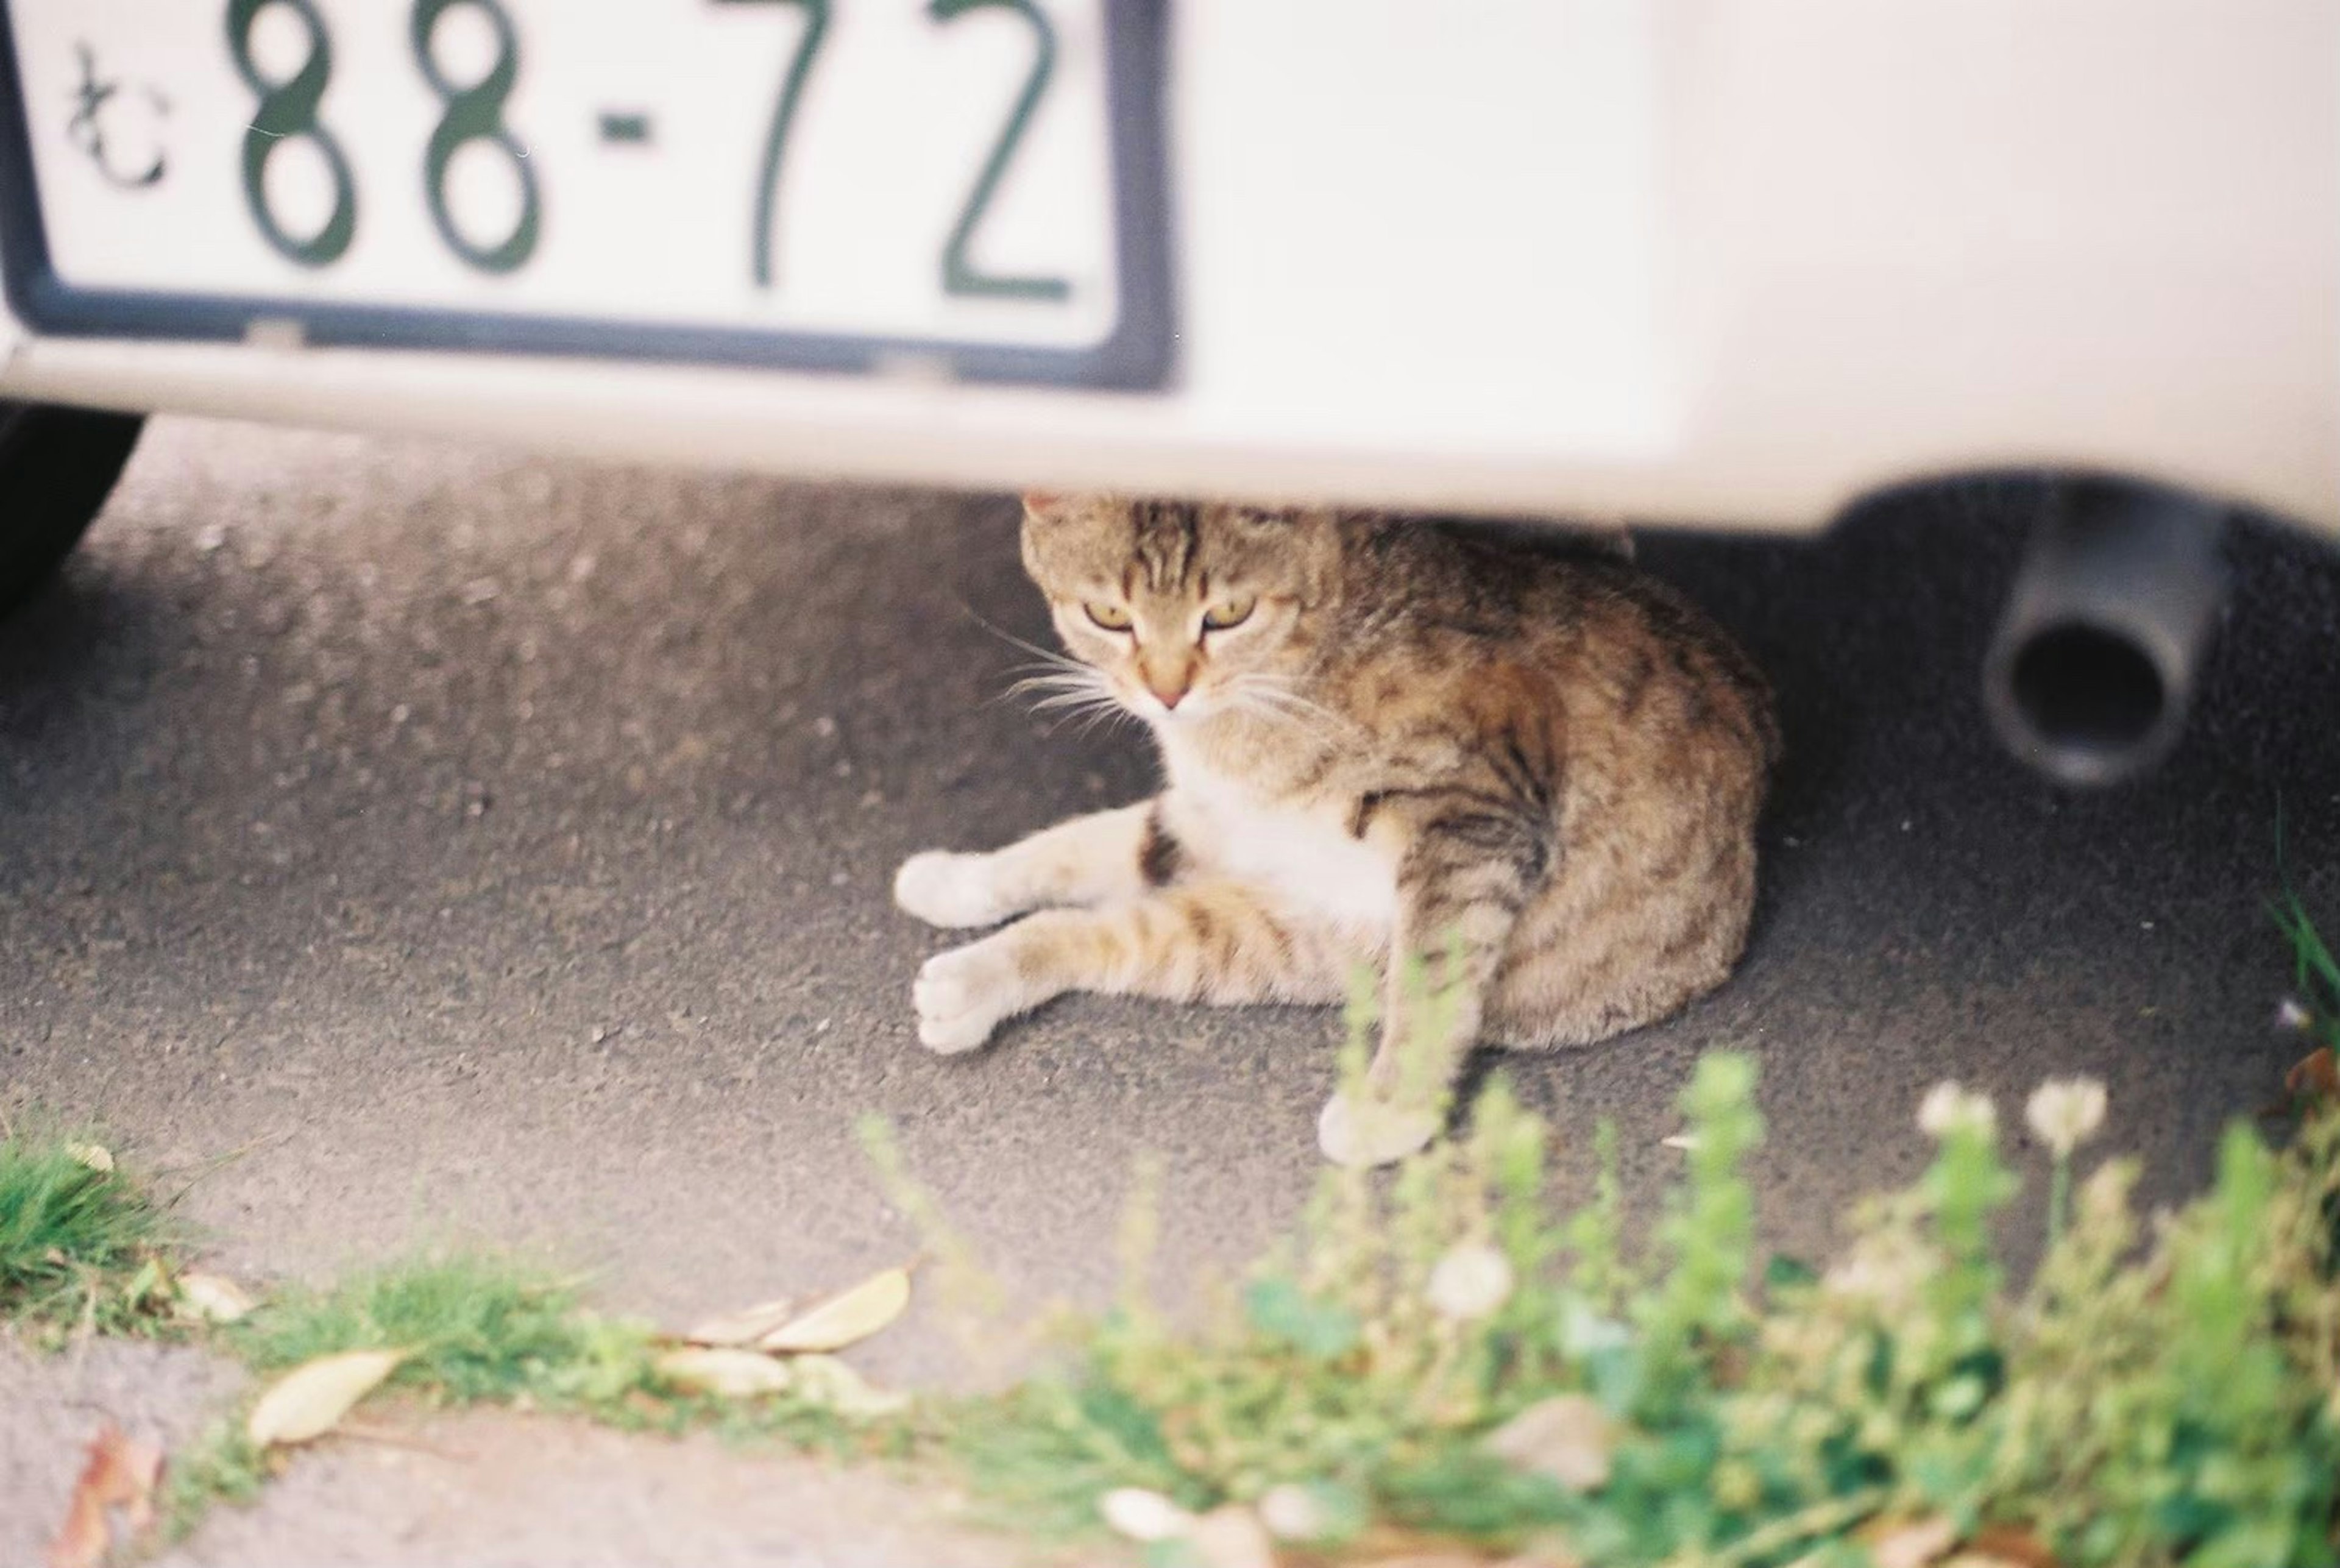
1208	940
1087	860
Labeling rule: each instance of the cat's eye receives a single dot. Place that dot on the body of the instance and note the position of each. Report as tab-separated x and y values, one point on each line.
1111	617
1229	612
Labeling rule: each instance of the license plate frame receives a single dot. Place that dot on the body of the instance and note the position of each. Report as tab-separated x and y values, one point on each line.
1138	354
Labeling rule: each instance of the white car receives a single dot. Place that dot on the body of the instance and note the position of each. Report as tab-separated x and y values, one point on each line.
1737	264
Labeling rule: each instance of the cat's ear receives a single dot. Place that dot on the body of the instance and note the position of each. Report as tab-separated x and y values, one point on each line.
1045	505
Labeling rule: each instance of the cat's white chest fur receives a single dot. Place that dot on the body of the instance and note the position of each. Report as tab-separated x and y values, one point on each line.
1304	859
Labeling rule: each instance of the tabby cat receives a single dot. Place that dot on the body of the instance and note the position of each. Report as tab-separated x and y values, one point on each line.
1521	782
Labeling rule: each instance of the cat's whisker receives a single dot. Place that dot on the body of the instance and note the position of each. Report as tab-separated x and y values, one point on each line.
1065	670
1074	702
1061	683
1083	682
1072	694
1104	710
1067	682
1051	666
1024	691
1048	655
1048	660
1268	698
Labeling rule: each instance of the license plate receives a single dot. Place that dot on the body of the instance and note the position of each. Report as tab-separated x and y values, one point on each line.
974	185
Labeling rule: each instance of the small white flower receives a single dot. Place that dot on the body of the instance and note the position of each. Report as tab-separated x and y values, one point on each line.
1947	1109
2293	1018
1292	1513
1883	1270
1470	1281
2065	1113
1142	1516
96	1156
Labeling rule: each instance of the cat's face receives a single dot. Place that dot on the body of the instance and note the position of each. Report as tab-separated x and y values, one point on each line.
1186	612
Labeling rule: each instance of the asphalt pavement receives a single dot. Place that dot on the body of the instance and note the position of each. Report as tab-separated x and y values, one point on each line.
476	846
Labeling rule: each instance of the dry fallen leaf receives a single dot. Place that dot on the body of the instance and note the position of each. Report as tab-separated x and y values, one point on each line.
846	1318
83	1539
1567	1437
119	1474
96	1156
1231	1537
2315	1078
212	1297
825	1380
745	1326
1910	1542
307	1401
726	1372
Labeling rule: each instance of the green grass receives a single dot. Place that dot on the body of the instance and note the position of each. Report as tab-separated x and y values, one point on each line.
2149	1399
80	1249
2158	1393
220	1465
2155	1395
2315	973
477	1328
480	1328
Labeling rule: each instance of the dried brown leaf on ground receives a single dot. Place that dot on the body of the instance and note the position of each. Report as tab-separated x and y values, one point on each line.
726	1372
745	1326
825	1380
307	1401
120	1473
848	1317
1567	1437
2315	1079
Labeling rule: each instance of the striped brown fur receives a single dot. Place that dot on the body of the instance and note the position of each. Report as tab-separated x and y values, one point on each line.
1536	771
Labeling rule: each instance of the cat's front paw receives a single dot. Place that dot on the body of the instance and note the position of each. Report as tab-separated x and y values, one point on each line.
952	890
1360	1131
962	995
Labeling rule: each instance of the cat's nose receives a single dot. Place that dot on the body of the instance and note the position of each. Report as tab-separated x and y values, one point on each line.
1169	679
